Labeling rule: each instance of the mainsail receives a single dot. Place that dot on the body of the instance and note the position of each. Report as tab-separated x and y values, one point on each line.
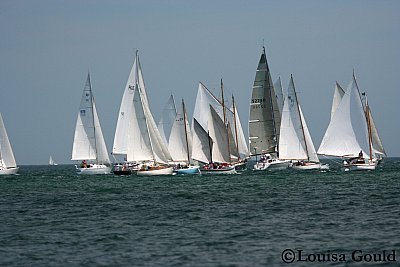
219	134
167	119
264	121
135	79
337	97
88	140
202	143
295	141
347	133
180	140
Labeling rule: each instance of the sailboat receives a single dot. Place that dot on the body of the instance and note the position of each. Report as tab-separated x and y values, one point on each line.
7	161
125	116
89	146
136	136
349	134
265	119
295	141
219	155
52	162
210	112
180	144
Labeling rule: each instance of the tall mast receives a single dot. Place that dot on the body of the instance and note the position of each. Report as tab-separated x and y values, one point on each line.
94	126
186	137
236	133
226	125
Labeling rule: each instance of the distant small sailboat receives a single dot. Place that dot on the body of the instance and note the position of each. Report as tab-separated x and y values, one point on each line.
350	132
89	146
8	164
52	162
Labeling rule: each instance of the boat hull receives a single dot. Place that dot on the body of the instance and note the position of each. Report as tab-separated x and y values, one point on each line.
94	169
360	167
229	170
154	172
9	171
275	164
189	170
240	166
313	166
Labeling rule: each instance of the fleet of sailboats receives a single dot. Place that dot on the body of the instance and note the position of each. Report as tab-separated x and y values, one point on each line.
215	142
8	164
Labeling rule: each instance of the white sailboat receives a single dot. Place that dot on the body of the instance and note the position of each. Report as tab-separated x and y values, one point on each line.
295	141
349	132
219	161
89	146
137	136
52	162
8	164
180	144
265	119
230	117
121	137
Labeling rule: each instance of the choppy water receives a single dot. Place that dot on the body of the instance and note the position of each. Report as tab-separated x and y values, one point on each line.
51	217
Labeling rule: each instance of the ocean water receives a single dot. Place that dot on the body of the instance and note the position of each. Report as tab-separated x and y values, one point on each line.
51	217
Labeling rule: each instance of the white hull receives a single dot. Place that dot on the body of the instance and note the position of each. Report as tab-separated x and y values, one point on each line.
230	170
9	171
274	164
313	166
162	171
94	169
359	166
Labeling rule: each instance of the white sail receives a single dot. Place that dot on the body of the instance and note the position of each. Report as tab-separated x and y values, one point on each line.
167	119
292	143
120	145
51	161
337	97
265	119
7	159
139	144
377	145
219	134
180	140
279	94
241	139
203	100
145	142
295	140
202	143
311	152
88	140
347	133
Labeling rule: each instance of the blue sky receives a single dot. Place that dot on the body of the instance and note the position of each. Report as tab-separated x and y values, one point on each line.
47	47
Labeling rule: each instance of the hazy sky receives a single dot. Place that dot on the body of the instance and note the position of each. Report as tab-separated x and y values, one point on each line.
47	47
